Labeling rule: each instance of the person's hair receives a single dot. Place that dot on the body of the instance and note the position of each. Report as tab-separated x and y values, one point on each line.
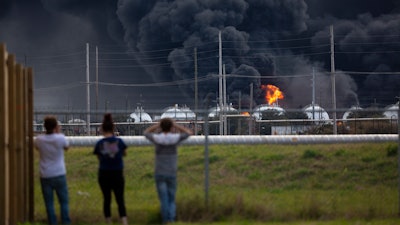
50	123
166	124
108	124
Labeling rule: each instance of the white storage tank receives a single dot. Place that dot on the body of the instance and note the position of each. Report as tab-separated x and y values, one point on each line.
266	107
316	112
214	112
391	111
179	113
139	116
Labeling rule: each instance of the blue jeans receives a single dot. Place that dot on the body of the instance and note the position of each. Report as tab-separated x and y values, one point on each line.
59	185
166	189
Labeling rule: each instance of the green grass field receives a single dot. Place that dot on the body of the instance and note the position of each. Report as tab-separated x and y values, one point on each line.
248	184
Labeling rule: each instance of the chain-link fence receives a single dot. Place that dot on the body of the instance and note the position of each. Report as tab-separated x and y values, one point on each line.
268	122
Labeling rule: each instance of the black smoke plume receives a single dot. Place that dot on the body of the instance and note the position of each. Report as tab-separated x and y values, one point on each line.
161	36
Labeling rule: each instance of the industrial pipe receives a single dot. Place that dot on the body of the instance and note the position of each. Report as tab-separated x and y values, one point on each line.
249	139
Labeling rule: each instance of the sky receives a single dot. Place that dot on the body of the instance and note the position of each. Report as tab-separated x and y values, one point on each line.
146	51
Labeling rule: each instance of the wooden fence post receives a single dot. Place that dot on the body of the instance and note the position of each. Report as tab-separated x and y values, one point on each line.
30	163
13	193
20	143
4	138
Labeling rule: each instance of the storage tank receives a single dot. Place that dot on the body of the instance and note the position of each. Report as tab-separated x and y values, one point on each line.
214	112
266	107
139	116
352	109
316	112
179	113
391	111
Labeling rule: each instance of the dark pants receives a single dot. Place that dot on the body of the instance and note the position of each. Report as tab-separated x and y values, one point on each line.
112	181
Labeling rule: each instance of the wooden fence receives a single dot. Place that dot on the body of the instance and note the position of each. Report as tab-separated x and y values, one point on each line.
16	141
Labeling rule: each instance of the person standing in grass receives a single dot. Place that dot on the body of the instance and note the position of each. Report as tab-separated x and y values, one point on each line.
110	150
166	135
51	147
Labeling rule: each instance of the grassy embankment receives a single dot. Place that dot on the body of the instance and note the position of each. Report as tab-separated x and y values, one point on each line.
274	184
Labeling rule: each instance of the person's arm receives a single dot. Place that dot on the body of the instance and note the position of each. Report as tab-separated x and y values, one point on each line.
124	147
66	146
96	150
182	129
152	129
57	130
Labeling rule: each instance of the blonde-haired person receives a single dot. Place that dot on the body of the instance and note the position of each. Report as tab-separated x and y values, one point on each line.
51	147
166	136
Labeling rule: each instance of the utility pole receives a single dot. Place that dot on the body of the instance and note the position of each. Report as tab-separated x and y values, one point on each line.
195	91
97	84
333	80
313	94
221	106
206	156
224	96
87	91
240	111
251	110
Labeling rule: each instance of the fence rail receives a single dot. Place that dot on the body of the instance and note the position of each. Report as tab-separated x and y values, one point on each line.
249	139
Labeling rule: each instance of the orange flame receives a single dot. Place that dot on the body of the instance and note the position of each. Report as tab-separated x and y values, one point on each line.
245	113
272	93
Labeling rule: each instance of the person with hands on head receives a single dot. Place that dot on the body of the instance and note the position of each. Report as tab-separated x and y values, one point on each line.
166	136
110	150
51	147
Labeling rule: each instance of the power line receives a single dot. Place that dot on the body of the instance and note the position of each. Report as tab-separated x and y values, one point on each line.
157	50
57	63
157	84
269	76
214	76
285	48
152	58
252	49
67	86
367	52
373	36
274	56
368	73
60	69
281	40
56	56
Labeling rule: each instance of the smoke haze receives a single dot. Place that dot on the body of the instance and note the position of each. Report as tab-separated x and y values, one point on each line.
144	42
